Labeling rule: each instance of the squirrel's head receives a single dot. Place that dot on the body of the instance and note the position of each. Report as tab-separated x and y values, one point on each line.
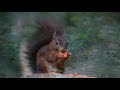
59	42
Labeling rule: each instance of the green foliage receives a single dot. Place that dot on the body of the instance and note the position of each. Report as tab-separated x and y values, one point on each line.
9	66
71	18
94	44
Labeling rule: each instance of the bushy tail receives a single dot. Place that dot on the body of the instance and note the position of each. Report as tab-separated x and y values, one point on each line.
25	68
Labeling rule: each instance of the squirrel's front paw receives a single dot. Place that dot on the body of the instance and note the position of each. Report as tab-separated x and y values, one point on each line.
64	55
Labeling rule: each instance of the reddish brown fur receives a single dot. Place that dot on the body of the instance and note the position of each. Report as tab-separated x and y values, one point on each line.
48	60
42	50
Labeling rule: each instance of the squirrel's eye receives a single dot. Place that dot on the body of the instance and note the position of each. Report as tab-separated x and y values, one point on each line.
57	42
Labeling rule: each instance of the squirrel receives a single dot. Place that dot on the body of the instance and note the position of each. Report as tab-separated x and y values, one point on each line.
46	51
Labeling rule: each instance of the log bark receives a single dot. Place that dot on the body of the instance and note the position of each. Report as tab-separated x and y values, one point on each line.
57	76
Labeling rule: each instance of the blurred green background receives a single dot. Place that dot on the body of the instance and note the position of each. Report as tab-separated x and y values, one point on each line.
94	40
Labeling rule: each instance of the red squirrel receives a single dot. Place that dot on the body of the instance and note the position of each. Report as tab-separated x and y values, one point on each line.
46	50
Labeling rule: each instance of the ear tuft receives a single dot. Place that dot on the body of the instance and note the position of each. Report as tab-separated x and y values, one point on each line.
54	35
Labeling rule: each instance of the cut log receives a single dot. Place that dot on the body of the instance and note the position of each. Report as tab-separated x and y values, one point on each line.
57	76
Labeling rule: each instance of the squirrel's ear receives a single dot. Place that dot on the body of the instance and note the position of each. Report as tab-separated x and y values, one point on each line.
54	35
